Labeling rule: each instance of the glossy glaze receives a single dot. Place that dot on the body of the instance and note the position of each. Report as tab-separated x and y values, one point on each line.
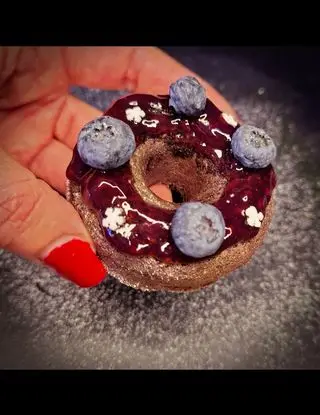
208	135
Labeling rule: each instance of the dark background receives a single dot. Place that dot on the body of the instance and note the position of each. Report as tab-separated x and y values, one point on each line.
264	315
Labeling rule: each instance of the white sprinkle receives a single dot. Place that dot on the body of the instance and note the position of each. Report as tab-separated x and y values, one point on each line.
156	106
178	135
114	218
175	121
134	103
261	91
254	218
135	114
229	119
163	247
126	206
216	130
228	201
193	134
245	198
218	153
141	246
229	234
204	144
150	123
232	195
126	230
239	168
186	122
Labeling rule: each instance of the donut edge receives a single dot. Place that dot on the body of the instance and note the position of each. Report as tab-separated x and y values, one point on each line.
149	274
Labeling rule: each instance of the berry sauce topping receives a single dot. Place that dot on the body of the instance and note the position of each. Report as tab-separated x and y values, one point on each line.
138	228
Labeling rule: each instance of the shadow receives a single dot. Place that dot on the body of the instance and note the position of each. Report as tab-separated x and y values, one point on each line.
141	313
16	346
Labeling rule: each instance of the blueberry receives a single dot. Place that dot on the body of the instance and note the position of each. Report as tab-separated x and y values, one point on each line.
106	143
198	229
187	96
253	147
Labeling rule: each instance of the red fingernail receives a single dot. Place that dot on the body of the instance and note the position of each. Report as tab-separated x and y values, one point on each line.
76	261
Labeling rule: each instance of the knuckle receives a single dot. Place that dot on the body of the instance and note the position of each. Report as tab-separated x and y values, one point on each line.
18	206
134	68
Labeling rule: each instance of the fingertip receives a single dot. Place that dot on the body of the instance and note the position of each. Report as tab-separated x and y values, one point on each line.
75	260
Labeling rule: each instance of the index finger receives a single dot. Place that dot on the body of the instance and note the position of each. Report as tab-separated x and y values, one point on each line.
136	69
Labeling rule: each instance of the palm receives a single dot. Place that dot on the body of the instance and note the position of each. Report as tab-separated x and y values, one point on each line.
39	120
36	119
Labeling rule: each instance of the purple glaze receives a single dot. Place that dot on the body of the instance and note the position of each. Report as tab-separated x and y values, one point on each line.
104	189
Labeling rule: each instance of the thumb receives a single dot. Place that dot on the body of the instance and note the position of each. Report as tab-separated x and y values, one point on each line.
39	224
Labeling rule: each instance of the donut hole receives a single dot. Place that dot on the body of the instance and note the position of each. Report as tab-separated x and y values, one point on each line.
188	175
177	196
167	193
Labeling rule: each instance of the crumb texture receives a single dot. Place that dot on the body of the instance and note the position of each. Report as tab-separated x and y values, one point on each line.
264	315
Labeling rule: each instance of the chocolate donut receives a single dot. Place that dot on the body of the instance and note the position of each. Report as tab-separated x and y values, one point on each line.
208	161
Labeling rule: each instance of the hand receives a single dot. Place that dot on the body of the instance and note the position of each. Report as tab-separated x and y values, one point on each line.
39	123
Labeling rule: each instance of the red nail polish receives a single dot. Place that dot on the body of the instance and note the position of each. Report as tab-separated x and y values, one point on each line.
76	261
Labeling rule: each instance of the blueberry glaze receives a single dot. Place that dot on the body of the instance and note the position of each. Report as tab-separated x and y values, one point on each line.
209	135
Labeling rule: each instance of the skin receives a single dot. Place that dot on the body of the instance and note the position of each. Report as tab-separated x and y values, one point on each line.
39	124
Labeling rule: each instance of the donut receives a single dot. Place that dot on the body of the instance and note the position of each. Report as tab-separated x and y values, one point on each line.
219	172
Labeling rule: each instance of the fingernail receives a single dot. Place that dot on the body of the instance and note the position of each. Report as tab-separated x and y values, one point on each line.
75	260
